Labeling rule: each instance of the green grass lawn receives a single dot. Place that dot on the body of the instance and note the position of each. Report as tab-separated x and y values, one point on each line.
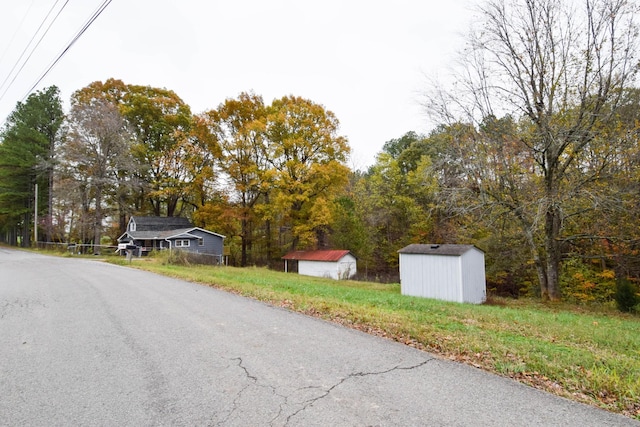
591	357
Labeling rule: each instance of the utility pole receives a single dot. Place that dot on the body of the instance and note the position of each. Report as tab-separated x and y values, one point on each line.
35	220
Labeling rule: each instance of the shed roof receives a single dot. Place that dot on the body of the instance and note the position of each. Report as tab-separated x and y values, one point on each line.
435	249
321	255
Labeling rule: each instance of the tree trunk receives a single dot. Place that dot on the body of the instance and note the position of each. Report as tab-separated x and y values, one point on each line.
49	217
155	204
122	222
172	204
553	251
97	223
13	236
244	238
268	232
26	229
540	265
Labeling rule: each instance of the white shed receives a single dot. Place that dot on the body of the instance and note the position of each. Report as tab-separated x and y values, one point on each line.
336	264
445	272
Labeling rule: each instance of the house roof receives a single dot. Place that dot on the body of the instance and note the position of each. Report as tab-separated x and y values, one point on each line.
158	223
435	249
321	255
176	233
156	235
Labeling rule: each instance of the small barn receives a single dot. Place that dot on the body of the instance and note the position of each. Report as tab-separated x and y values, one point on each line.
336	264
445	272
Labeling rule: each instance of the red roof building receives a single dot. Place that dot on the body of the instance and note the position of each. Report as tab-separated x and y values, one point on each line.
336	264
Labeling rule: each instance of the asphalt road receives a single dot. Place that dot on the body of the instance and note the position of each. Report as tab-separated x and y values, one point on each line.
87	343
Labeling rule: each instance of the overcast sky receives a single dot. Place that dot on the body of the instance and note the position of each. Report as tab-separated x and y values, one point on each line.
367	61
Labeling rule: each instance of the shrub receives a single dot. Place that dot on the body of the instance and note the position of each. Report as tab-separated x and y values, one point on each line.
185	258
626	295
582	283
177	257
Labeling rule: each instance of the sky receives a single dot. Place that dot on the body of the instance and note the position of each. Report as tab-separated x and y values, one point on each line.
369	62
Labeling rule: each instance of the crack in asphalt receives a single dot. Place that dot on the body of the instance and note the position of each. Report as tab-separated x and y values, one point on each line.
253	381
310	402
234	404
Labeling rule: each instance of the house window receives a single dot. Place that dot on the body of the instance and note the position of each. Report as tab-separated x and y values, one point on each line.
200	241
132	226
183	243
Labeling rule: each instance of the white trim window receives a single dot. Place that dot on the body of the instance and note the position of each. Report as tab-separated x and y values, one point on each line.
200	241
183	243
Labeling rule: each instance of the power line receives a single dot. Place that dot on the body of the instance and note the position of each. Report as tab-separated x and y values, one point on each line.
84	28
33	49
13	37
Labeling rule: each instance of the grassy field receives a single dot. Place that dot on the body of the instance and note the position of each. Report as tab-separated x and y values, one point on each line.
591	357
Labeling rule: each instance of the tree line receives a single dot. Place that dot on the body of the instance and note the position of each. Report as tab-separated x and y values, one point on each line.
534	160
245	169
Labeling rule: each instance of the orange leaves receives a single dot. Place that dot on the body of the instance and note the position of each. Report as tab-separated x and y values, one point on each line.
283	164
584	283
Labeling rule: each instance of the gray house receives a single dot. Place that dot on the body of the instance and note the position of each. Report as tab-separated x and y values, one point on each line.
156	233
446	272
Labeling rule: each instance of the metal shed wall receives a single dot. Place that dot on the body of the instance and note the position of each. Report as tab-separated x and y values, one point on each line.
431	276
445	277
474	285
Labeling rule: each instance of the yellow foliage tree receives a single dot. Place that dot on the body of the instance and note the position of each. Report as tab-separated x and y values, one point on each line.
307	156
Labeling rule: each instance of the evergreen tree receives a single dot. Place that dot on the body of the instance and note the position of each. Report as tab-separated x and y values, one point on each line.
27	147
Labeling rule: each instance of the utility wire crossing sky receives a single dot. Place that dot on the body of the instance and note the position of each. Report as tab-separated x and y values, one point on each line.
369	62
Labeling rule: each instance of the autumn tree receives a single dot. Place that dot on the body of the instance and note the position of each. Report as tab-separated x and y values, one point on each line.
97	149
607	234
129	198
407	150
348	229
201	157
395	206
307	155
238	126
162	124
559	70
27	157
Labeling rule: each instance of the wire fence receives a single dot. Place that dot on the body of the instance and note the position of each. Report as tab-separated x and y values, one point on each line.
77	248
177	256
182	257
